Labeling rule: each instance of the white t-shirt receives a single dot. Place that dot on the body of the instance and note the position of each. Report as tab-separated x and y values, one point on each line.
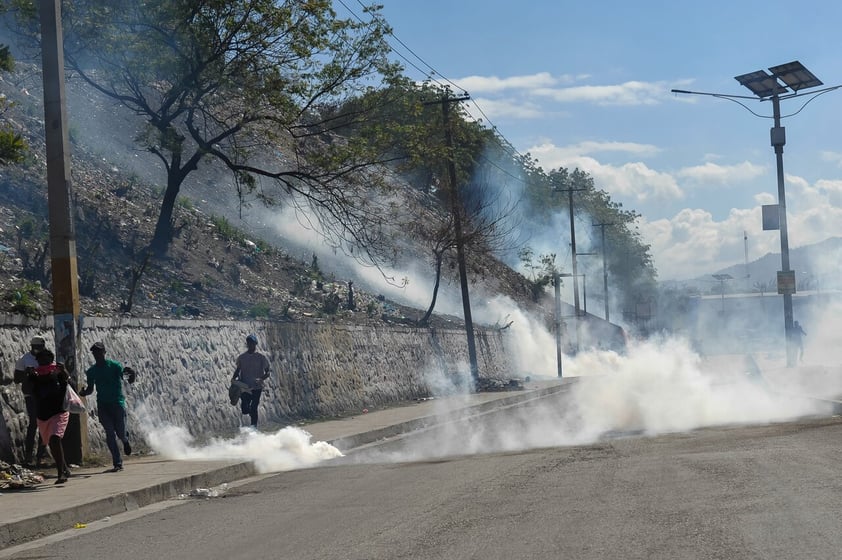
25	361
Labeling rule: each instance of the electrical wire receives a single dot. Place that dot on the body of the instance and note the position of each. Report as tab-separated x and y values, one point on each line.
504	143
810	101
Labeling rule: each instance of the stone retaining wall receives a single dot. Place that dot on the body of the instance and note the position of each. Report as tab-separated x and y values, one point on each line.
184	368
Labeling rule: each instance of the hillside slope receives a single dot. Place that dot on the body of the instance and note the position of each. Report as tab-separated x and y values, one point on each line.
213	269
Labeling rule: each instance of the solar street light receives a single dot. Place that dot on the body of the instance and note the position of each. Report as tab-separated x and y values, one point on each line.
784	81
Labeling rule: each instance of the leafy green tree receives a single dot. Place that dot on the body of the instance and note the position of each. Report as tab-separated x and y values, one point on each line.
540	272
628	257
13	147
414	128
250	84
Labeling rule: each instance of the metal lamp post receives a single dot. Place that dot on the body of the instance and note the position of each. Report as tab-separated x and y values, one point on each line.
781	82
722	278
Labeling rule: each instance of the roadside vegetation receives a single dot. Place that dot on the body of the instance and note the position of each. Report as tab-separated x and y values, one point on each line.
300	109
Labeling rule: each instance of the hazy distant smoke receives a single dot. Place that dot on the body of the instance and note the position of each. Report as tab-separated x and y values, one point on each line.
660	387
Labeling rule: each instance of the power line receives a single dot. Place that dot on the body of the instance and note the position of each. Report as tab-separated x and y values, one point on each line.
433	72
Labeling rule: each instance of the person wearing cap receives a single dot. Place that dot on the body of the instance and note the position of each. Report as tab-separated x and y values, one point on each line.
253	370
28	360
106	377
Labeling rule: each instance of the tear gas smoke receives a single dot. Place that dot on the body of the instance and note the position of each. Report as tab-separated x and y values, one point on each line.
287	449
659	387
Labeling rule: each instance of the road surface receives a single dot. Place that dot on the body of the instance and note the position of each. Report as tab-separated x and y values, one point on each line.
735	492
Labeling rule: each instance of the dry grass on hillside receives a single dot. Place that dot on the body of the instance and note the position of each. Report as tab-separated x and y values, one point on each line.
212	270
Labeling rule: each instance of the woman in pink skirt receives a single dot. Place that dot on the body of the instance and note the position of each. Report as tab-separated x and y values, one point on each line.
50	383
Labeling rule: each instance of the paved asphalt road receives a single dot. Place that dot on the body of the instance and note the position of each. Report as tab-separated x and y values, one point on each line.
761	492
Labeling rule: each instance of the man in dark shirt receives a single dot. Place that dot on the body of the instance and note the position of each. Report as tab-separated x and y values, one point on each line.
252	370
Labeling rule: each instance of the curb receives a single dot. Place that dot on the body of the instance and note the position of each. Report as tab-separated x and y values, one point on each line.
25	530
19	532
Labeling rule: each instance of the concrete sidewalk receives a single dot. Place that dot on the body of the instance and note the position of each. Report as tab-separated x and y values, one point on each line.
93	494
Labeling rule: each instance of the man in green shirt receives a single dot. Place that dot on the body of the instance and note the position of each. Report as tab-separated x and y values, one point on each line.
106	377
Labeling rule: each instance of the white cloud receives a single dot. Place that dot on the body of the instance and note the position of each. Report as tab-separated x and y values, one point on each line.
628	93
633	180
833	191
765	198
692	243
489	84
713	173
794	181
495	84
833	157
504	108
801	196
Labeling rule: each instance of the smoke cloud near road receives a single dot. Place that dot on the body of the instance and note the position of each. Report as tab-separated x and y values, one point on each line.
286	449
659	387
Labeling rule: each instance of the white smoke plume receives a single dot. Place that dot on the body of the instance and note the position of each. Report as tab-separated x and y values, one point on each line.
286	449
659	387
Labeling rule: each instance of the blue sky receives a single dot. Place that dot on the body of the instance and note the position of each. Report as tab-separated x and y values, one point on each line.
587	84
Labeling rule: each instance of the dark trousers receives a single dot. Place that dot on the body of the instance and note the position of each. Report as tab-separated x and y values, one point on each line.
249	402
113	420
32	432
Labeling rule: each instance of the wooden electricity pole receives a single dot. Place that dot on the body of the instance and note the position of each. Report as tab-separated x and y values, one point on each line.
456	208
604	269
575	274
65	280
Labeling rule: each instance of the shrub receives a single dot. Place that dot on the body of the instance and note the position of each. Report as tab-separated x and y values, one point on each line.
24	300
258	310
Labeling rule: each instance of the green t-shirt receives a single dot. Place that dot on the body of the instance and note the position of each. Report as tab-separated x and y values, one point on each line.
107	379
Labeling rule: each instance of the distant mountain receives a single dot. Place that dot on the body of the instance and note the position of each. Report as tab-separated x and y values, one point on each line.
816	266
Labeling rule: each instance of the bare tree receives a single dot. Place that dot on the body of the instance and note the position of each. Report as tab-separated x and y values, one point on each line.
250	84
486	223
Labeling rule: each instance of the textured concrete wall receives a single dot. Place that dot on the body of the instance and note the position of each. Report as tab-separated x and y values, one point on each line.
185	366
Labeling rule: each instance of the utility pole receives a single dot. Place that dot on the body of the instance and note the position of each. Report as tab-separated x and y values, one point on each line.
65	281
584	294
557	286
778	140
604	269
575	275
748	274
456	208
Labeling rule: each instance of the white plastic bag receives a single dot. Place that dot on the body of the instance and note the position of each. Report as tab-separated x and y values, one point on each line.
73	402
